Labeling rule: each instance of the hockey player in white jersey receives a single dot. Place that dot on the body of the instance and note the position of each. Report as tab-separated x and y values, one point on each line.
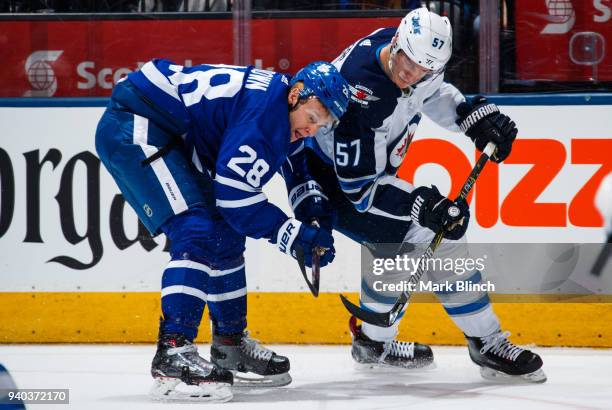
191	148
396	76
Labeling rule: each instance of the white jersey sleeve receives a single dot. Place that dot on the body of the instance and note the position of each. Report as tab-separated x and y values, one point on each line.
441	106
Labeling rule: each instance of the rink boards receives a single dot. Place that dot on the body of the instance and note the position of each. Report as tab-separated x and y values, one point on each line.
69	274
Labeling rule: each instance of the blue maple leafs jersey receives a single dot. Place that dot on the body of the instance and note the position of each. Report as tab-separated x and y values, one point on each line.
370	143
234	122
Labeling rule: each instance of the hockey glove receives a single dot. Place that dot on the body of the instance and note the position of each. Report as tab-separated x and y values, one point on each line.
316	208
293	234
482	122
434	211
310	204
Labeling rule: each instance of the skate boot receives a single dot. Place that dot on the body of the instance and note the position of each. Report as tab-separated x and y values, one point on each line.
176	361
500	360
370	353
241	354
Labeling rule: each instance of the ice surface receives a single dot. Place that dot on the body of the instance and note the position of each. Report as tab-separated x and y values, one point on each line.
117	377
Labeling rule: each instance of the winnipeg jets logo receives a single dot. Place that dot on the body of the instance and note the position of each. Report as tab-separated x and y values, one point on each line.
362	95
416	25
399	151
397	154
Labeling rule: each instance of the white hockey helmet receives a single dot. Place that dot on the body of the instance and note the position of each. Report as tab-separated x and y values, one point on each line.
426	38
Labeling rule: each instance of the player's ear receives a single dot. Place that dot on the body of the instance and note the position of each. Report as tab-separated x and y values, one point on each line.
294	93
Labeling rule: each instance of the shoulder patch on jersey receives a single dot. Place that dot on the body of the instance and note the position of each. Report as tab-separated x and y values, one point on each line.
366	43
362	95
284	79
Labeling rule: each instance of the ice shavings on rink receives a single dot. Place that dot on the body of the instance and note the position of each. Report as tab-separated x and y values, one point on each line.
116	376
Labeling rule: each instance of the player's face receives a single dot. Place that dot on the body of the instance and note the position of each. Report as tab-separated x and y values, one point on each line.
406	72
308	118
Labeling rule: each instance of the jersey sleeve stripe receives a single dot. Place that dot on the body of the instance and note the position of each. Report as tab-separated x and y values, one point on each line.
357	184
365	202
396	182
159	80
376	211
235	184
358	195
242	202
352	191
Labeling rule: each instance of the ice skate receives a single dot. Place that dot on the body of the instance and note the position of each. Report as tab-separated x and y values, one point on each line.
370	353
252	364
181	374
501	360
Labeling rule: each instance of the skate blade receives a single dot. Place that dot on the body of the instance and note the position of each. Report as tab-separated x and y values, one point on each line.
490	374
250	380
373	367
172	389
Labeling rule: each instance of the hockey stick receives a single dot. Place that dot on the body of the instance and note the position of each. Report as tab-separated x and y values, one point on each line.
313	284
387	319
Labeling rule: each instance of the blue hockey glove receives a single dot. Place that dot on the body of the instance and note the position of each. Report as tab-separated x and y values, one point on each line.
434	211
293	234
482	122
310	204
316	208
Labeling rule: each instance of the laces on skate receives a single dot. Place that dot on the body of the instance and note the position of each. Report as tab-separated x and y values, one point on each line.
402	349
499	345
369	353
254	348
502	361
252	364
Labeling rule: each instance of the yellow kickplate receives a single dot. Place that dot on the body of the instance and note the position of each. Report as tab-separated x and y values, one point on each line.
101	317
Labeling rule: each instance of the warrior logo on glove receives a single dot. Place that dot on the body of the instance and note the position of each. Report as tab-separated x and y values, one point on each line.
482	122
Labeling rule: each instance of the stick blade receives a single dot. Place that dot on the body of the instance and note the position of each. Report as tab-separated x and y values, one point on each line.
374	318
315	273
313	284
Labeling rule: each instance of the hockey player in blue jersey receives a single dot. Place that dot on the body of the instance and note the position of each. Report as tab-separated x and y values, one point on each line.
396	75
190	149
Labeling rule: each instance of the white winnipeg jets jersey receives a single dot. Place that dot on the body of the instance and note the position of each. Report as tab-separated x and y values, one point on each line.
372	138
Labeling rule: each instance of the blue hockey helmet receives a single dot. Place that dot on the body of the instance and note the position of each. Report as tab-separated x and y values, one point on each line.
323	80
